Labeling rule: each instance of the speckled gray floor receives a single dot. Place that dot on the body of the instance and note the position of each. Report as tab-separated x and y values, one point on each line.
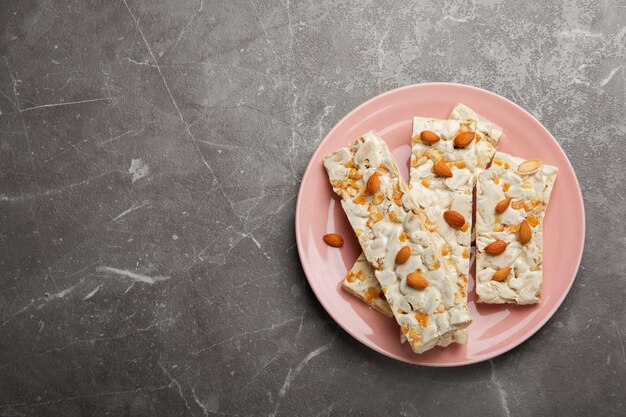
150	156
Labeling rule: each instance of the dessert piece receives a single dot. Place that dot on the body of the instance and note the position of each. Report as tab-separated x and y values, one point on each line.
443	160
488	135
392	231
512	196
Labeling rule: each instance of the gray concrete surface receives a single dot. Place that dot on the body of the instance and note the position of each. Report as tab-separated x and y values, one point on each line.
150	156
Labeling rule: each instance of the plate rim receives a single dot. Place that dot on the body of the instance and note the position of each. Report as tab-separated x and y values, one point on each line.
374	347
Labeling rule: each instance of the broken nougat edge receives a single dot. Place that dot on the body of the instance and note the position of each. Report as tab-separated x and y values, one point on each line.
488	135
530	194
362	283
385	221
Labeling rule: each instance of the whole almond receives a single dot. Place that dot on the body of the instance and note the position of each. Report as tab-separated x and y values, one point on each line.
524	234
334	240
528	167
503	205
496	248
501	274
454	218
463	139
373	183
429	137
403	255
417	280
442	169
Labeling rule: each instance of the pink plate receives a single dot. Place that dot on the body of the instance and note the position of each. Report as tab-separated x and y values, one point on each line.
496	329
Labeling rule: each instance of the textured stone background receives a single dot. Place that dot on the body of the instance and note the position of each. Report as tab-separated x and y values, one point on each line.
150	156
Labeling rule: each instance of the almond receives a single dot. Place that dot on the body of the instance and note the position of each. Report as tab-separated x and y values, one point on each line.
528	167
501	274
524	234
373	183
361	199
334	240
503	205
378	198
442	169
433	154
463	139
415	162
429	137
496	248
454	218
397	196
403	255
417	280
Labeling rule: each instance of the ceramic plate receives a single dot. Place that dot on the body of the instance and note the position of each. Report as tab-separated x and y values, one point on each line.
496	328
